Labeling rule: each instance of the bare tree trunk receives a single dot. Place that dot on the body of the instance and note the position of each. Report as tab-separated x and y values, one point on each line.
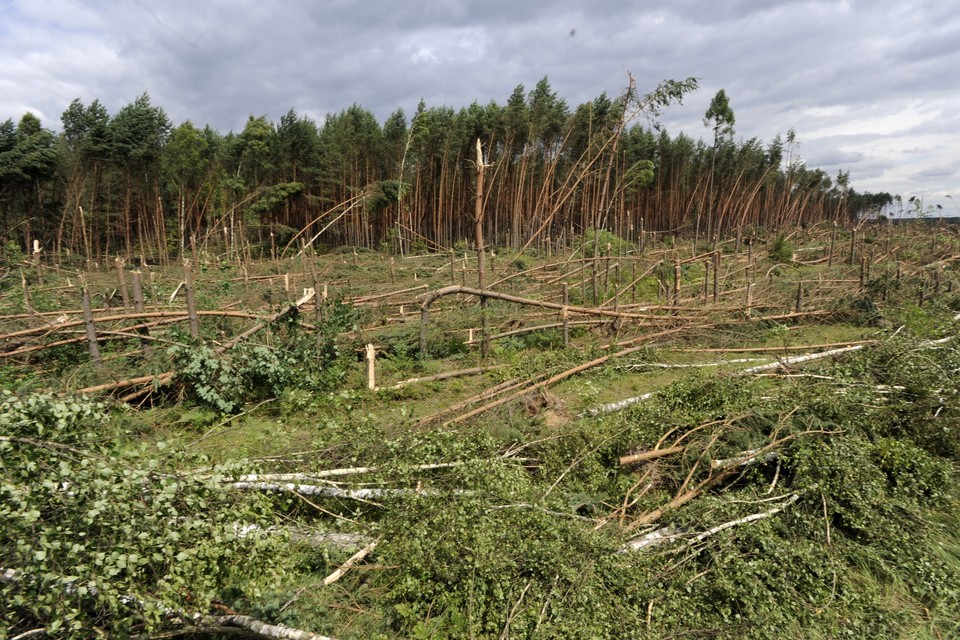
481	259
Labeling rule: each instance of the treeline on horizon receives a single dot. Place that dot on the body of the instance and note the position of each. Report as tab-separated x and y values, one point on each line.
131	183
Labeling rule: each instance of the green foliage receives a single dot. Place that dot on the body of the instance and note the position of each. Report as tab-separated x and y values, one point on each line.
639	176
522	262
102	535
720	116
382	194
858	551
781	250
11	254
214	379
250	372
274	197
493	547
609	244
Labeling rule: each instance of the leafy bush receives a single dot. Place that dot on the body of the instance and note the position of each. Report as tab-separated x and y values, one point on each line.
617	245
11	254
250	372
98	535
781	250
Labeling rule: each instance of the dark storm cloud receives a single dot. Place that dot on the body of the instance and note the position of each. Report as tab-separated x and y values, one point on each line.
861	82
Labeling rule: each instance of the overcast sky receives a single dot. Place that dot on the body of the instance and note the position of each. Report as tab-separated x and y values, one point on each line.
869	86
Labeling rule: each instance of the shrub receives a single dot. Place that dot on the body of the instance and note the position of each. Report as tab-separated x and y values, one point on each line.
609	243
99	535
781	250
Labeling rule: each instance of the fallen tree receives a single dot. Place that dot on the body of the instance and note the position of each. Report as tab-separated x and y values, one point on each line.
496	295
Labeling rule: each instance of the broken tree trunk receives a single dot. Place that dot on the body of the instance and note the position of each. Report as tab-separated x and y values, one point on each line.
91	330
122	283
481	264
191	300
138	306
495	295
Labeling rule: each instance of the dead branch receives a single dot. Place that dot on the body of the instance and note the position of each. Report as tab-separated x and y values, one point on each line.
232	623
783	362
667	535
446	375
48	328
807	347
649	455
679	501
352	560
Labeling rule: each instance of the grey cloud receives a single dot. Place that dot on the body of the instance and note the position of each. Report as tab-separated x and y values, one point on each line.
832	158
785	65
936	173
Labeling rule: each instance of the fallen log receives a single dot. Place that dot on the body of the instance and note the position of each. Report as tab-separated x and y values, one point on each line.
103	335
540	327
627	402
232	624
495	295
783	362
545	383
566	374
619	405
380	296
653	454
667	535
333	473
503	387
50	328
352	560
693	365
806	347
679	501
446	375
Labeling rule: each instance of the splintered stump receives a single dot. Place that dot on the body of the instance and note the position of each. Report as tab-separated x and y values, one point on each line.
90	328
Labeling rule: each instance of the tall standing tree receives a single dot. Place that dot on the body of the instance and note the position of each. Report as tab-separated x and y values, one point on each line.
28	160
85	148
298	148
138	133
720	116
187	168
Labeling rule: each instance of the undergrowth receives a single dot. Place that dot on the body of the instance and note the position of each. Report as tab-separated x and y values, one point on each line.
818	504
864	545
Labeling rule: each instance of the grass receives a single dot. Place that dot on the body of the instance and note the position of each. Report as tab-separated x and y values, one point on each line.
568	462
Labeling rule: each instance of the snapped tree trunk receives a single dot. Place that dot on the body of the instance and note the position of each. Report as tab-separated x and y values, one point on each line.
481	259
